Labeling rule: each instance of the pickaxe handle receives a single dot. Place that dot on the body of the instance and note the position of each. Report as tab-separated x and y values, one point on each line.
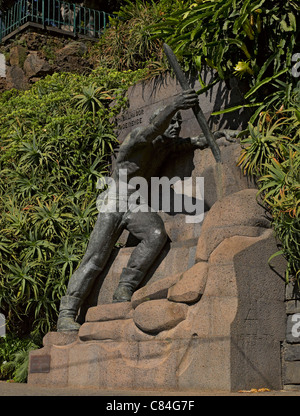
196	109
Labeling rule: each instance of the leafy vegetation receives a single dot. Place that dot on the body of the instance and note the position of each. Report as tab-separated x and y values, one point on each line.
272	153
256	41
128	44
14	357
253	39
56	139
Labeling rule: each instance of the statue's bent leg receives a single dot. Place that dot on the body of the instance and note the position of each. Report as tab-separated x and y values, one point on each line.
149	228
106	232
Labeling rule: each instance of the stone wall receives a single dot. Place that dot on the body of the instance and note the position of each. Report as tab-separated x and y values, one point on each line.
291	347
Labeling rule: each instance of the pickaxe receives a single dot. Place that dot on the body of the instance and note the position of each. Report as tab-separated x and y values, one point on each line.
196	109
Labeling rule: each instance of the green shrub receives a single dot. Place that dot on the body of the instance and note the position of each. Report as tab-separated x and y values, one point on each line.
128	43
56	140
272	154
254	40
14	357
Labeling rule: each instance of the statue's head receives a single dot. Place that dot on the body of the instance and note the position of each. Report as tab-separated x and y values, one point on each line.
174	128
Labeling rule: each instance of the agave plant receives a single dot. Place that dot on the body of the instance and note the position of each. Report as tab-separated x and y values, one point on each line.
91	98
35	246
51	218
50	161
253	39
264	142
272	154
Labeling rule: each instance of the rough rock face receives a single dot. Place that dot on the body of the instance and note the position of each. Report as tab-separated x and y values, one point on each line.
188	289
159	315
15	78
17	55
39	55
35	66
237	214
156	290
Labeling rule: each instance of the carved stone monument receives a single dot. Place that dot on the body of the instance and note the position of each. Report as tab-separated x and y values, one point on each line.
210	312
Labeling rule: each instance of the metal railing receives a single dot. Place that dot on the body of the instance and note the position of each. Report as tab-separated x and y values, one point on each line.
64	16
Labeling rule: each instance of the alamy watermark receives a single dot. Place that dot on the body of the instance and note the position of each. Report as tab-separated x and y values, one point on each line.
2	325
2	66
296	66
170	195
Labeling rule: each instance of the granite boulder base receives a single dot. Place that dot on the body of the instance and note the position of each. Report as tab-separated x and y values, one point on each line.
210	315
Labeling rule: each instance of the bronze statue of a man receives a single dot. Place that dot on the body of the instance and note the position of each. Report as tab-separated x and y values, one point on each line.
141	155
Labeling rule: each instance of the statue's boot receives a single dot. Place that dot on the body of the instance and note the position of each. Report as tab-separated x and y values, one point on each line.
68	310
129	281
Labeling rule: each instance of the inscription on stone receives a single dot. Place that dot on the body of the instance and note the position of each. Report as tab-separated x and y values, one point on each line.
40	364
130	118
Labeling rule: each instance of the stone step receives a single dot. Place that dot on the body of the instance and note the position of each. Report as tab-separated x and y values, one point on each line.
150	317
110	312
